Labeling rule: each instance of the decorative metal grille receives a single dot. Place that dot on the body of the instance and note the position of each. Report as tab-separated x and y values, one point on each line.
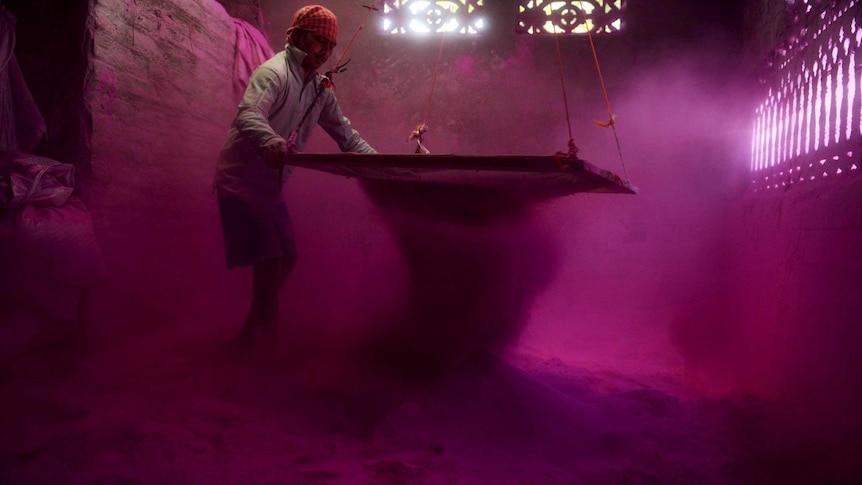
569	16
427	16
809	127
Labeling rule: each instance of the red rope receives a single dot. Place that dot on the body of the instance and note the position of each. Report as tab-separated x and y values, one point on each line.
370	8
598	68
562	77
611	122
434	79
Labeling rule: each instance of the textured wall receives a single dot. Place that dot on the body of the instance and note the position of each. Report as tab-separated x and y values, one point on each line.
797	279
787	318
796	316
248	10
160	93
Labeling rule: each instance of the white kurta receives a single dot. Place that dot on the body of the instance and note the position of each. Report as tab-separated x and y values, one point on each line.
277	98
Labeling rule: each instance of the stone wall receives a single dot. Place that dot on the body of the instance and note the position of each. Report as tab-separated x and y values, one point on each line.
248	10
160	95
797	312
791	317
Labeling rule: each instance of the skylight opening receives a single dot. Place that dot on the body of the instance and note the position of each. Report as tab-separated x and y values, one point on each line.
537	17
433	17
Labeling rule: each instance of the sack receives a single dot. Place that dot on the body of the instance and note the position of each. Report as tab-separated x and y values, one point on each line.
29	179
57	244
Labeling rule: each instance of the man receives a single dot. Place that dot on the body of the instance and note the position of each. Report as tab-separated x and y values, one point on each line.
285	97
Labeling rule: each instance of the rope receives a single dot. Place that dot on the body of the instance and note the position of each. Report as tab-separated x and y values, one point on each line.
572	150
611	121
370	8
434	79
418	133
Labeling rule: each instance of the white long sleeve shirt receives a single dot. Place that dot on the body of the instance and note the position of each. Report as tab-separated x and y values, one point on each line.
274	103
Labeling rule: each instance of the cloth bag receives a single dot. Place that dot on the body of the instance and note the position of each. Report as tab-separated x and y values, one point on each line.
46	231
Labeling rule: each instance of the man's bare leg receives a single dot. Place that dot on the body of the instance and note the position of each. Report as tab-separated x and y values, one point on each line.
268	277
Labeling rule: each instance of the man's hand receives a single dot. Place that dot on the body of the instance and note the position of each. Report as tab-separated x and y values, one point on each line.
276	153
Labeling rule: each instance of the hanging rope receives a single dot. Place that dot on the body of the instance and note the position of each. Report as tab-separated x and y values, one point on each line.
434	79
573	150
611	118
419	133
370	8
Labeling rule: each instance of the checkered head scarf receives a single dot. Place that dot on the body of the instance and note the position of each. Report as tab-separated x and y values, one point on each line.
317	19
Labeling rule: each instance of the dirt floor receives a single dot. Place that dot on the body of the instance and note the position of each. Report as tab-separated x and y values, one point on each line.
159	409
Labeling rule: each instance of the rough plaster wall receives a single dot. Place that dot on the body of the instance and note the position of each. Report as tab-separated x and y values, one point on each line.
764	26
248	10
798	316
160	93
793	313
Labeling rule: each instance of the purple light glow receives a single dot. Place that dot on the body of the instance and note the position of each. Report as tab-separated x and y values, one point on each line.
812	107
851	95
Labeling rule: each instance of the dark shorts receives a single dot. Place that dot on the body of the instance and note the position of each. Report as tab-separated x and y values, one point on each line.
255	232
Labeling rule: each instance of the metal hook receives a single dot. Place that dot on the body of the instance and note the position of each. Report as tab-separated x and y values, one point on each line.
341	67
337	70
